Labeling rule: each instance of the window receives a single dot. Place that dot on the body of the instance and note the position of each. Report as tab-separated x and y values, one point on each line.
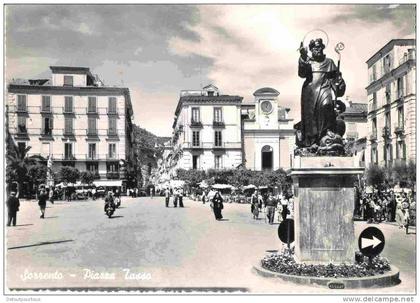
196	138
112	167
388	120
195	161
388	154
21	124
68	125
374	155
218	114
46	104
401	116
374	127
68	151
388	93
400	87
217	162
387	63
112	105
92	105
218	138
47	126
92	167
373	73
195	114
112	148
112	126
92	151
21	104
210	94
68	104
68	81
91	126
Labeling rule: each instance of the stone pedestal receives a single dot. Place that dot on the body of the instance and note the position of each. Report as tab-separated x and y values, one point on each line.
323	205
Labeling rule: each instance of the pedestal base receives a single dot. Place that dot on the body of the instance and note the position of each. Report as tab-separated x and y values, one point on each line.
324	203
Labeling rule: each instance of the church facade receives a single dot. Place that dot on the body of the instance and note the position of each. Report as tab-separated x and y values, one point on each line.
216	131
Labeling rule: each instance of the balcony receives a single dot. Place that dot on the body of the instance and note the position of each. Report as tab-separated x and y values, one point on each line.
219	145
112	175
68	110
399	128
218	124
112	133
68	132
69	157
45	110
21	109
112	156
111	111
197	124
386	132
92	157
92	132
92	111
46	132
22	130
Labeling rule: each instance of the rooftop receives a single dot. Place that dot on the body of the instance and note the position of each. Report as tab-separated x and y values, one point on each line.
356	109
266	91
385	49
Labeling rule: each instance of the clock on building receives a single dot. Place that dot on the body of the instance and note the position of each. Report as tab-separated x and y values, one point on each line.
266	107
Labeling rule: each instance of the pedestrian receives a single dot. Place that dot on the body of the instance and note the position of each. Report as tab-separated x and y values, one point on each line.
203	197
167	196
217	205
255	205
51	195
136	192
284	208
175	197
271	204
12	208
42	202
180	197
94	193
151	192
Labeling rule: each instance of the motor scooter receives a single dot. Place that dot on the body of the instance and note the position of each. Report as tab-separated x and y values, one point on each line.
117	202
109	209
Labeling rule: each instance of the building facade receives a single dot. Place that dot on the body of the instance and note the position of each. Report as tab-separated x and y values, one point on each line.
74	120
392	103
214	131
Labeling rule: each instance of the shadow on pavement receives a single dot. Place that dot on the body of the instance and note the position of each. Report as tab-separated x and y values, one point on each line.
114	217
40	244
224	220
23	225
52	217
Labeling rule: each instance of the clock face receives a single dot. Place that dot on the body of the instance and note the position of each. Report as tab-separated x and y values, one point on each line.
266	107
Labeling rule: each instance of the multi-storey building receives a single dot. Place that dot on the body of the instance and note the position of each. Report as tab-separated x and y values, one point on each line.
214	131
74	120
392	103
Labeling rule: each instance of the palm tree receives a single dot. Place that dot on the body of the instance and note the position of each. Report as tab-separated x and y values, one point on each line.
18	162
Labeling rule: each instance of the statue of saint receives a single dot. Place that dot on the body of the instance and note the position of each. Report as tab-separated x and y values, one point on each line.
323	84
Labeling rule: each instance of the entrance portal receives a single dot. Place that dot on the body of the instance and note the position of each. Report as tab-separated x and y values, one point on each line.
267	158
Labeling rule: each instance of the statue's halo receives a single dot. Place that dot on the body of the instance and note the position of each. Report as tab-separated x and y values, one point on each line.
315	34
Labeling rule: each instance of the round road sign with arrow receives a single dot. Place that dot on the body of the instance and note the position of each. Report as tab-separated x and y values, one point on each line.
371	241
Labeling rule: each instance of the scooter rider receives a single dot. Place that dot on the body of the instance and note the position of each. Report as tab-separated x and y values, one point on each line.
109	199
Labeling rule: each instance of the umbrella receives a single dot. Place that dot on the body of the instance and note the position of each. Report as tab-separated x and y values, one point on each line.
250	186
203	184
222	186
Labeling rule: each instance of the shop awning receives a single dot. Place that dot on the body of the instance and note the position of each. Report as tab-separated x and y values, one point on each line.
107	182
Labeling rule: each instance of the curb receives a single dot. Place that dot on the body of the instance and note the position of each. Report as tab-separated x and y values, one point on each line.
388	279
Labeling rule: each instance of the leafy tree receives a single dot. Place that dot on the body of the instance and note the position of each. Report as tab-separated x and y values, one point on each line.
69	174
37	173
18	162
375	176
87	177
191	176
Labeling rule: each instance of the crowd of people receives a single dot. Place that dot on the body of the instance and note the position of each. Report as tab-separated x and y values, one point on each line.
389	206
176	196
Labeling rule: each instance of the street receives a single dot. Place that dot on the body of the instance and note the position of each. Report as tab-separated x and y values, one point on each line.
146	245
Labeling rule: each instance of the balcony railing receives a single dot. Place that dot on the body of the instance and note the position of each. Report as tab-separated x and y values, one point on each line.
112	156
69	157
112	175
196	123
45	110
21	109
112	132
46	132
399	128
68	132
218	124
91	111
386	132
92	132
373	136
68	110
111	111
22	130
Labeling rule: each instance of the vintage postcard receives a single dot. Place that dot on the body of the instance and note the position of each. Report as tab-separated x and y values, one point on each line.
210	149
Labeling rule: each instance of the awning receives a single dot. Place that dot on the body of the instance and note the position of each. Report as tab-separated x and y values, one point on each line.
107	182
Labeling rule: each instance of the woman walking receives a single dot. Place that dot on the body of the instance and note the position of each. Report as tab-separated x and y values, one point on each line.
42	202
217	206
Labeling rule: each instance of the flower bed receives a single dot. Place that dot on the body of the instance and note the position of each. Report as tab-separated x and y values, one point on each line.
284	263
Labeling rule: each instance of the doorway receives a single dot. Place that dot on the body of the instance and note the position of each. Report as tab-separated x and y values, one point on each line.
267	158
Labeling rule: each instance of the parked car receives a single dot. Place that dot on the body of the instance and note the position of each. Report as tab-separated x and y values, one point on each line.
100	191
81	192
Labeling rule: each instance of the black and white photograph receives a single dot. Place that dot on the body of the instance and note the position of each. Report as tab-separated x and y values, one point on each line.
211	149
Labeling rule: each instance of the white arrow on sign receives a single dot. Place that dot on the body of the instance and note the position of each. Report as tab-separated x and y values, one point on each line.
370	242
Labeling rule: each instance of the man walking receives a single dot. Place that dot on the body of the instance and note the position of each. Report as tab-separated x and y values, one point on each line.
12	208
271	204
42	202
167	196
181	196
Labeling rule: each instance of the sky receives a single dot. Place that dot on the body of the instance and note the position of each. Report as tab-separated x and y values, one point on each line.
158	50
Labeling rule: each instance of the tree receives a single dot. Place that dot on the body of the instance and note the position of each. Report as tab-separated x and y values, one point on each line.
37	173
375	176
69	174
18	162
87	177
